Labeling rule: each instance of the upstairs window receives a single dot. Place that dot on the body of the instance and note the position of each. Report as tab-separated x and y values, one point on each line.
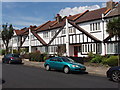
53	33
63	31
45	35
71	30
95	26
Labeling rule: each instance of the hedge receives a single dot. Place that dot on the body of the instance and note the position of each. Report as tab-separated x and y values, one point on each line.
35	56
111	61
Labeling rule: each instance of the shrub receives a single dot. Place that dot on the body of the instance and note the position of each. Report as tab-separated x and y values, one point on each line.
90	55
104	60
97	59
23	51
35	56
16	51
111	61
3	51
44	56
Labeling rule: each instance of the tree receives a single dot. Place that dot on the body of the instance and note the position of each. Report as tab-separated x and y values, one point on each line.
113	28
7	34
61	49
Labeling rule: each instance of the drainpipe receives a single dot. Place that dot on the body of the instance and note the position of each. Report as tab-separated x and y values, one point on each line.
67	39
29	40
103	36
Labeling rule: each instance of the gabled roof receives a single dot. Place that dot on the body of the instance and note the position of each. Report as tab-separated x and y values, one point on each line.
54	24
41	25
50	25
23	31
77	16
19	32
114	12
92	15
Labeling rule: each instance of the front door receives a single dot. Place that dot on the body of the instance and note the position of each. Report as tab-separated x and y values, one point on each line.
75	51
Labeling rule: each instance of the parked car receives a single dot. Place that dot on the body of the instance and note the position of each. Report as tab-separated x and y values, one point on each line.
12	58
65	64
114	73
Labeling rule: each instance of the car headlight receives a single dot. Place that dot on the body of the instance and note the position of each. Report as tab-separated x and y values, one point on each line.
75	66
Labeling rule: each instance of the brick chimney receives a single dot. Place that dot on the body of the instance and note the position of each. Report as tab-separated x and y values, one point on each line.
58	18
110	4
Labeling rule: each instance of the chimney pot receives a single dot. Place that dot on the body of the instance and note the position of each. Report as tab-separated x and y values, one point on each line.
58	14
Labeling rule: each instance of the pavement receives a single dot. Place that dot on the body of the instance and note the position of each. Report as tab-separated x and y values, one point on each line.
91	69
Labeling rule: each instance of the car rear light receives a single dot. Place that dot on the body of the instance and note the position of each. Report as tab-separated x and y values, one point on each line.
11	57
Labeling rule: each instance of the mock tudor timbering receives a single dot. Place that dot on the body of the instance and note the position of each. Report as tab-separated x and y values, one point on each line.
86	33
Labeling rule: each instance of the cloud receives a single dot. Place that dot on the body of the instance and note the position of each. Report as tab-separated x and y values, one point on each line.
23	21
103	4
72	11
17	28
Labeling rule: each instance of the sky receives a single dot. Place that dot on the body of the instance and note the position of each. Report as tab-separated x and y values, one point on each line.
23	14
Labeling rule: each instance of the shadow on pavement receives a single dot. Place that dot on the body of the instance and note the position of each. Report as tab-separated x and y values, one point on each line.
81	73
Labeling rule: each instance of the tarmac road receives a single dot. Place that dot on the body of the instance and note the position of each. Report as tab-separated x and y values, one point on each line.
21	76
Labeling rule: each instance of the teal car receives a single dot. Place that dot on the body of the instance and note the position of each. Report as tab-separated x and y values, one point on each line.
65	64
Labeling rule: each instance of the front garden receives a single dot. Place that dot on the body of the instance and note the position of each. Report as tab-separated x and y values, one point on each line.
108	60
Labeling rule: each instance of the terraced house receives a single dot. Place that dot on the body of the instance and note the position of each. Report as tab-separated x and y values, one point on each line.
79	34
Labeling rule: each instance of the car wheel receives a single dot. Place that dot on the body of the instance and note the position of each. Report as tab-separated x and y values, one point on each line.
66	70
47	67
115	76
9	62
3	61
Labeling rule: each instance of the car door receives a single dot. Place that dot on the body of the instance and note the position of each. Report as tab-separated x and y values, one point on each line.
58	64
52	63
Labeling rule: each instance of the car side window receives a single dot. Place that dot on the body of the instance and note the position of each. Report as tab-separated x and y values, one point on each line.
58	60
7	55
55	59
52	59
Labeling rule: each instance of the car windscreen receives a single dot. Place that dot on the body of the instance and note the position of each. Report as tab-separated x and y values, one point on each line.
65	59
15	55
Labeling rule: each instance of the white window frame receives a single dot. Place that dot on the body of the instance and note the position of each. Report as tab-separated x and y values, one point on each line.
94	26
